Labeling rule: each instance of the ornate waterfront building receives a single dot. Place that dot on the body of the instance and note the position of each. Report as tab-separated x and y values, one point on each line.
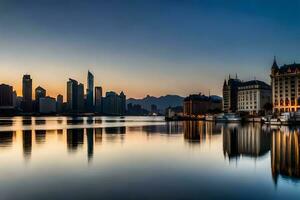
253	96
230	94
285	87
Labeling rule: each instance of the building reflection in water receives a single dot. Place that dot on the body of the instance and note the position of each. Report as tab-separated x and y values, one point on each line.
74	139
40	136
285	155
115	130
6	138
115	133
40	121
90	143
26	121
250	140
6	122
194	131
75	120
98	135
27	144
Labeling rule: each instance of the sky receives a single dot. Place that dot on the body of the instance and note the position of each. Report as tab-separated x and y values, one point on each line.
145	47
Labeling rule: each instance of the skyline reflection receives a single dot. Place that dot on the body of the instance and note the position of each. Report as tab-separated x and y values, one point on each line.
277	149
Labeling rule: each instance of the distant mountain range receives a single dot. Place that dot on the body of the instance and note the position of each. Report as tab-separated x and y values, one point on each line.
162	102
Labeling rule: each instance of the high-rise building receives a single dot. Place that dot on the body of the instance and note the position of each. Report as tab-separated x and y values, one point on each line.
39	93
90	91
80	97
75	96
27	93
98	99
6	96
59	103
122	103
285	81
72	95
253	96
114	104
230	94
47	105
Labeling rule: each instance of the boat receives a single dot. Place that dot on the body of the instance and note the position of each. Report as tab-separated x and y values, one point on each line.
228	117
232	117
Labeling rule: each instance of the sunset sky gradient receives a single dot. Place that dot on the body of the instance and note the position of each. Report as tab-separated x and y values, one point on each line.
145	47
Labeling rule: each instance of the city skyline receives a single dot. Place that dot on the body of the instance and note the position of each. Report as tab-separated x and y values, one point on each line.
145	47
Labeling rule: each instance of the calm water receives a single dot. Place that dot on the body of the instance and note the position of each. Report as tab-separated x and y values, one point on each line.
146	158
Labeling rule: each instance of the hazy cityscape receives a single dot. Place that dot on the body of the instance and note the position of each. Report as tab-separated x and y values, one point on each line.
149	99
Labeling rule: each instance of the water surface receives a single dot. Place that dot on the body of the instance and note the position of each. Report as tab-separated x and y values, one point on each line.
146	158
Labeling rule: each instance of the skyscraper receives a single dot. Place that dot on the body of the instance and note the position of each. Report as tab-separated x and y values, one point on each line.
6	96
114	104
27	93
80	97
90	92
39	93
72	95
98	99
59	103
230	94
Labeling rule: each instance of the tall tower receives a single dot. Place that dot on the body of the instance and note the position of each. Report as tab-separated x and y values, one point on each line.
98	99
72	95
27	93
90	92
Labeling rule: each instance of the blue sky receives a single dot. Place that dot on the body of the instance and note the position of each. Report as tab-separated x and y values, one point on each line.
145	47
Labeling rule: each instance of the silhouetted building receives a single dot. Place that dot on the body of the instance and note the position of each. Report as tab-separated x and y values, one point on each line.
80	98
39	93
285	81
59	103
253	96
197	104
47	105
154	110
98	99
230	94
6	97
136	110
114	104
75	96
27	93
90	92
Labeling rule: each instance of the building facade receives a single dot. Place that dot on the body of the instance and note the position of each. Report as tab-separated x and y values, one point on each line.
230	94
90	92
47	105
6	96
197	104
253	96
39	93
27	93
285	81
98	99
59	103
114	104
72	95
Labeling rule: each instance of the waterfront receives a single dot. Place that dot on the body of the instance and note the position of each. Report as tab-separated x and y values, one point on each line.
146	158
